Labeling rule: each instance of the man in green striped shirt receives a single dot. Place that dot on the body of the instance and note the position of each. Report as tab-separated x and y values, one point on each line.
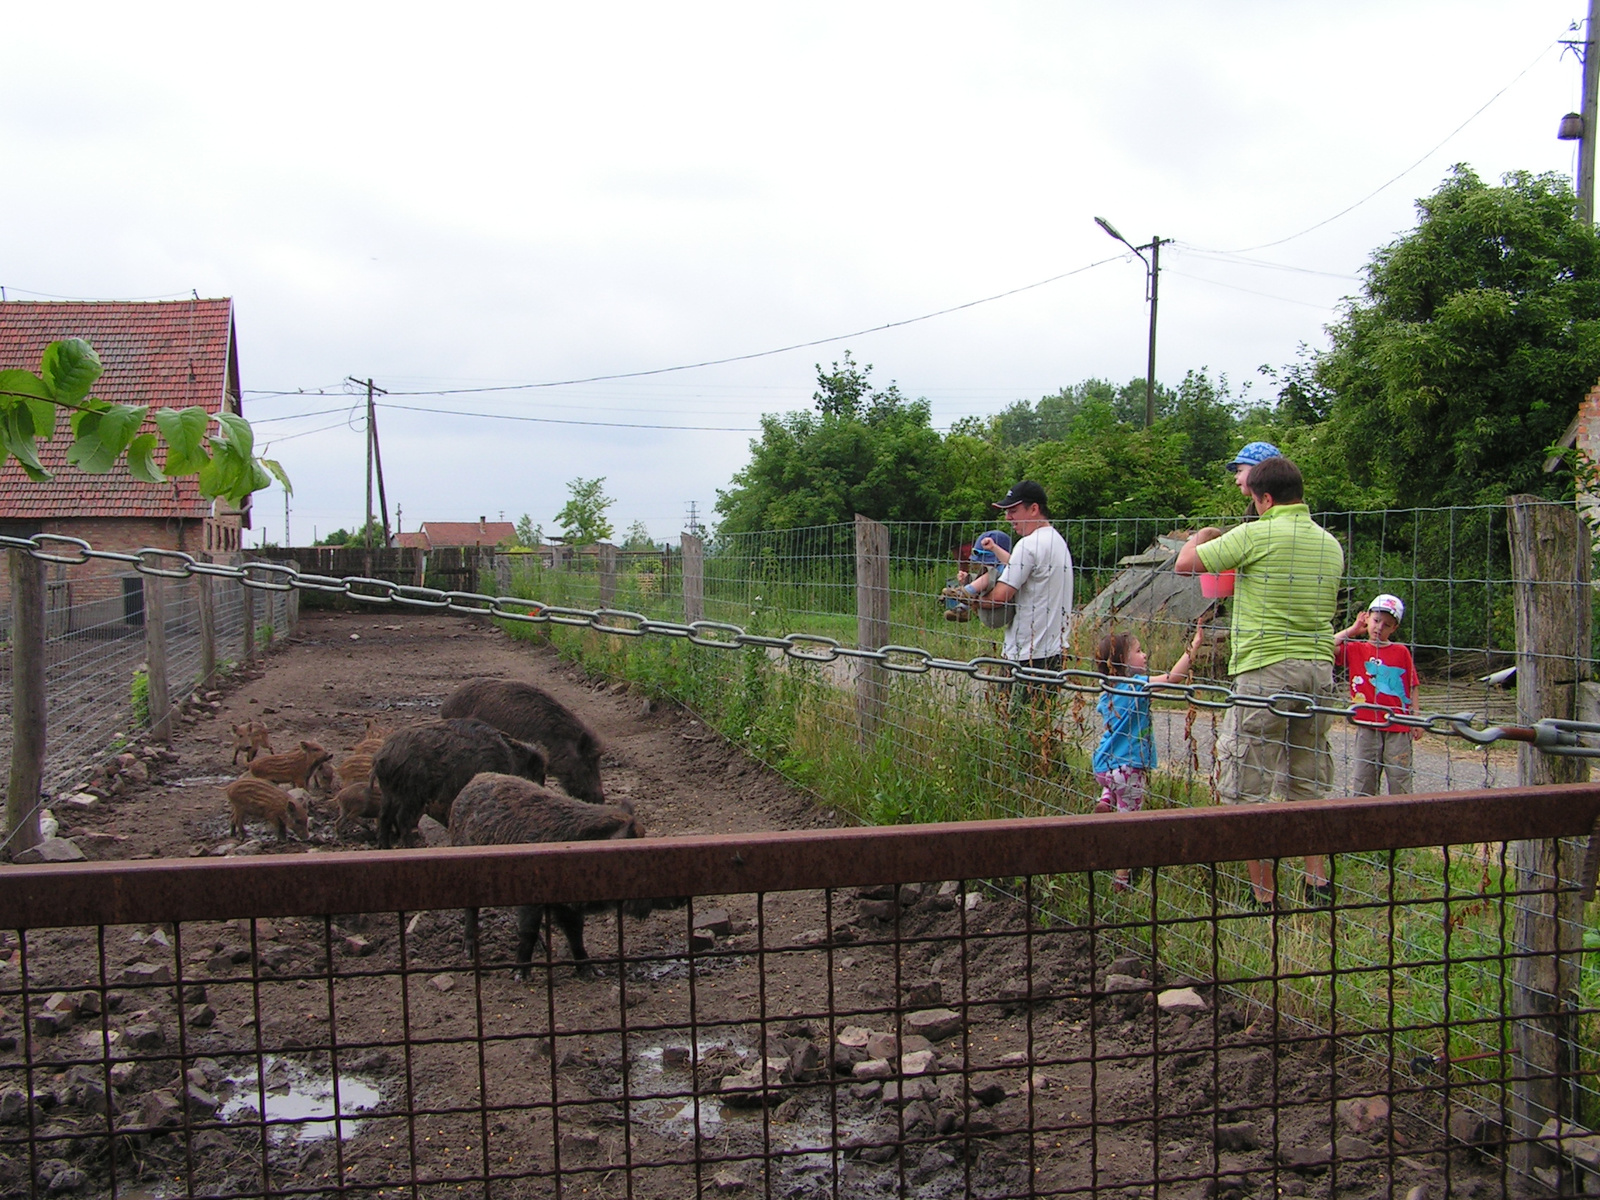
1281	637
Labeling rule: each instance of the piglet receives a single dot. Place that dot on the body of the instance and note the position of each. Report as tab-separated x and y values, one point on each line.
261	801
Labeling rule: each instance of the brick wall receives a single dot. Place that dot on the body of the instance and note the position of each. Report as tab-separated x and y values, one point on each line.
98	580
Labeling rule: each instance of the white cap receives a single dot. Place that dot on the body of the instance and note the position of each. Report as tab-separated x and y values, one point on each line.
1385	603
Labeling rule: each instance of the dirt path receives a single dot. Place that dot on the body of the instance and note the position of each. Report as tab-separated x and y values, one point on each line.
1088	1062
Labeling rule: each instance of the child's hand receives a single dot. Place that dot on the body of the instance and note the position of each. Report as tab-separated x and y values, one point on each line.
1199	633
1416	733
963	576
1358	627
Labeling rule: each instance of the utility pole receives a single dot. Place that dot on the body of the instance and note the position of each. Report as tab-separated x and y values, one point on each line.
1152	266
286	540
1581	126
374	459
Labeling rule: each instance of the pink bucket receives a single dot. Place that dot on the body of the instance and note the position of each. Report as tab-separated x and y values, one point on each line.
1216	587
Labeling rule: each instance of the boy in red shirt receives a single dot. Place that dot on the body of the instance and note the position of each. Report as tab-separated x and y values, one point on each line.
1381	675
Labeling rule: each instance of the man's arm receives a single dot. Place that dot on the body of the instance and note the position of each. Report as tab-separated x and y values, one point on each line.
999	595
1189	557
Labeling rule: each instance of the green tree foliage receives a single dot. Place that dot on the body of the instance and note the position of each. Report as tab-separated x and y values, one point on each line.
862	451
223	461
583	518
639	538
1477	334
528	534
339	537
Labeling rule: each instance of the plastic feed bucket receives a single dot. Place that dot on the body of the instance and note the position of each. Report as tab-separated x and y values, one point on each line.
1216	587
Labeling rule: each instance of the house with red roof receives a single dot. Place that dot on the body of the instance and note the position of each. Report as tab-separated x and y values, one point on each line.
166	354
438	535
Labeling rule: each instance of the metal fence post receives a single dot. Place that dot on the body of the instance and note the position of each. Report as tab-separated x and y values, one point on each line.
694	578
155	655
1550	569
27	701
872	621
607	555
248	605
206	602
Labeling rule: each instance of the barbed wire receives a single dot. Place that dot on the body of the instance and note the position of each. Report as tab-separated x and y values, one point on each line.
1550	735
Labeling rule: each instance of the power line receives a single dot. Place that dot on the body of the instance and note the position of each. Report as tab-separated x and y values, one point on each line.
451	412
1250	291
1396	179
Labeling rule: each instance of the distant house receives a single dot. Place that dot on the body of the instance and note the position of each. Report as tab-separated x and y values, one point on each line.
440	535
170	354
1583	433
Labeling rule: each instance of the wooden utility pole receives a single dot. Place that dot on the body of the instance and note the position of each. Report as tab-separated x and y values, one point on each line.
694	580
606	554
366	530
1550	551
205	597
377	458
155	650
1591	114
872	622
27	701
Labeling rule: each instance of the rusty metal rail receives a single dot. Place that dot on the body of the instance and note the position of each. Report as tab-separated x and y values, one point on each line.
941	1010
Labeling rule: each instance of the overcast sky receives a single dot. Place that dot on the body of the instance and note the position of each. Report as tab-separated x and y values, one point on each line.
448	198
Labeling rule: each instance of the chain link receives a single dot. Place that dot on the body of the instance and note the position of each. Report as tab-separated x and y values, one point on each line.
1578	739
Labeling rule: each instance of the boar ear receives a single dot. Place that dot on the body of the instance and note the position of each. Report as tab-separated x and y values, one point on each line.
308	747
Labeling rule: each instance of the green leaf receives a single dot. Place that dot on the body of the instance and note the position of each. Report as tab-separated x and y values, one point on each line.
185	434
16	431
229	474
24	383
70	368
278	473
102	435
238	432
141	464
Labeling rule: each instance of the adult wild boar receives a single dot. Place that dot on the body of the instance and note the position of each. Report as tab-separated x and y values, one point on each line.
571	748
500	810
420	770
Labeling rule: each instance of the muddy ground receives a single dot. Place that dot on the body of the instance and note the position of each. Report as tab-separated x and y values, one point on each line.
1115	1086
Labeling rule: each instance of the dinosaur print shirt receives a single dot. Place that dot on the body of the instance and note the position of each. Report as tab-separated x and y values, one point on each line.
1380	675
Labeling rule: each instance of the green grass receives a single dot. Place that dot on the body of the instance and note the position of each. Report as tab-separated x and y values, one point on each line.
949	750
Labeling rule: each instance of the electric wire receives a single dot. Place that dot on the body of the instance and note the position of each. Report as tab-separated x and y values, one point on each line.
1233	287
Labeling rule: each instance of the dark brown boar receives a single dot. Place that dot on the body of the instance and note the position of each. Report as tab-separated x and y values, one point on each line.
252	797
250	739
571	748
420	770
499	810
296	768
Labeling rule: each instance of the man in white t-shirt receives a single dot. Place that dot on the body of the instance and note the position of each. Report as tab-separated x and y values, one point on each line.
1038	580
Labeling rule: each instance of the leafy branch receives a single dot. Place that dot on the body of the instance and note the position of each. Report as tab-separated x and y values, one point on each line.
223	462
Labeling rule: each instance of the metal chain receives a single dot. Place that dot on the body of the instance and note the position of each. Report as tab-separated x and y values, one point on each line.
1550	735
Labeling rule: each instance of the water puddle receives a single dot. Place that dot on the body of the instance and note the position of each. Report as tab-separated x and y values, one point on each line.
678	968
294	1094
202	781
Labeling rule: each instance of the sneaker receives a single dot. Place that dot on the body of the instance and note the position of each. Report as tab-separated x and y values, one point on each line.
1102	806
1121	883
1260	905
1319	895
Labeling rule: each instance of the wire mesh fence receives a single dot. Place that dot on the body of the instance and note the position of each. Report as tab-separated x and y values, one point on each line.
840	1013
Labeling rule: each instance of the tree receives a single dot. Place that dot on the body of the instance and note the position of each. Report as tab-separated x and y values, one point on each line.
528	534
1477	334
224	463
863	451
1203	414
339	537
639	538
583	518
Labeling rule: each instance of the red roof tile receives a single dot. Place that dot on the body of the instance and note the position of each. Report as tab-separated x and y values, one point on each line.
170	354
411	541
468	533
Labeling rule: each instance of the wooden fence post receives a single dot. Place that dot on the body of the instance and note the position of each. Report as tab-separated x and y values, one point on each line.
872	622
155	656
1550	569
205	598
694	578
27	701
247	600
607	555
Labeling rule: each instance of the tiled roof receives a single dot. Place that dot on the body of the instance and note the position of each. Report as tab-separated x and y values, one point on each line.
170	354
411	541
468	533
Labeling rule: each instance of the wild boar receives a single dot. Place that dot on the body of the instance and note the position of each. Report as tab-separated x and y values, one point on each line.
372	739
420	770
250	739
356	800
571	748
500	810
262	801
297	768
357	768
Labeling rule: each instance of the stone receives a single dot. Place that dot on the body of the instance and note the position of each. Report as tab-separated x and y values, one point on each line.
442	983
935	1024
899	1092
913	1042
1181	1000
805	1061
146	972
48	1024
727	1181
714	919
910	893
160	1110
88	1004
989	1094
82	801
1238	1136
1471	1129
194	993
1363	1115
882	1045
433	834
202	1101
745	1089
916	1063
143	1035
1117	982
870	1090
579	1141
68	1179
202	1016
878	910
854	1036
873	1068
675	1056
949	887
973	899
13	1104
879	891
122	1074
1419	1192
701	940
356	946
52	849
925	994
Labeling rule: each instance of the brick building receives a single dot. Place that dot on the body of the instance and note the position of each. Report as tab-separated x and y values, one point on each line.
170	354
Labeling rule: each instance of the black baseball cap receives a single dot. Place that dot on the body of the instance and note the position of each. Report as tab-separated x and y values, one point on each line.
1026	492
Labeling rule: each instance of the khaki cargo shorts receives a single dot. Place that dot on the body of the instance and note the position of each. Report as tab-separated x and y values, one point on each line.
1258	747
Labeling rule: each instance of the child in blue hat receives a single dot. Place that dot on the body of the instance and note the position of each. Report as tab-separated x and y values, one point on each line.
991	551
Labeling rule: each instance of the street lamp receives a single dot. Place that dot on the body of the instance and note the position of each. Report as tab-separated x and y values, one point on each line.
1152	266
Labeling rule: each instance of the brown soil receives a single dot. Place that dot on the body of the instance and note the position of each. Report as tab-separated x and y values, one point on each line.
1211	1077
